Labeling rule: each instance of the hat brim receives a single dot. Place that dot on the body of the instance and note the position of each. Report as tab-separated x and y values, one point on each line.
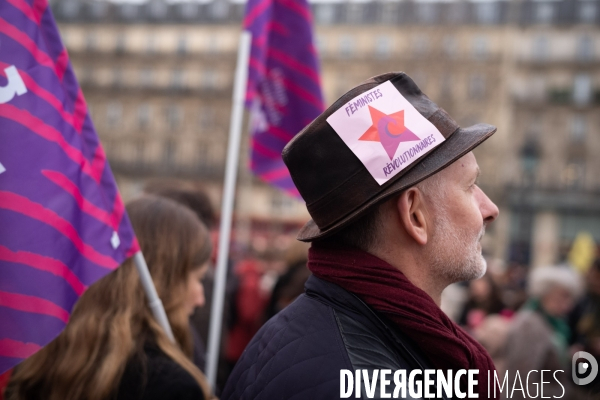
457	145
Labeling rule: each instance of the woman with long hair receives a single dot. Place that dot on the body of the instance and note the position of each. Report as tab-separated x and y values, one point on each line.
112	347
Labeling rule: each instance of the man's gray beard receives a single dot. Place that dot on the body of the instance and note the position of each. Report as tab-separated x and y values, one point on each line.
454	255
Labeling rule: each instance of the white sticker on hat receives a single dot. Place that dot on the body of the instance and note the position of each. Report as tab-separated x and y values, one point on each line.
384	131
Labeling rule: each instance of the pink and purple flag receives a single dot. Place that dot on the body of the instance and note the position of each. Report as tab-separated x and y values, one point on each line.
62	222
284	86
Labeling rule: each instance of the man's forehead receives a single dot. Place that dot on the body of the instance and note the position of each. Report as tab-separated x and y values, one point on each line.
466	166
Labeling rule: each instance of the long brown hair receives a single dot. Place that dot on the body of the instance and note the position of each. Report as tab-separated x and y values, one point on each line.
112	320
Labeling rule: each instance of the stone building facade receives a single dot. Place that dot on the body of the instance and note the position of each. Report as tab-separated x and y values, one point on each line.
158	79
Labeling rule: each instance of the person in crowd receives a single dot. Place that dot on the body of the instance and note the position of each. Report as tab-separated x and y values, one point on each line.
484	299
249	302
190	196
288	287
585	318
584	321
387	238
198	201
112	347
514	288
539	336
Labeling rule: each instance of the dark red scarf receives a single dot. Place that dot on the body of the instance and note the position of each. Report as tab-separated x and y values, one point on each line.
388	291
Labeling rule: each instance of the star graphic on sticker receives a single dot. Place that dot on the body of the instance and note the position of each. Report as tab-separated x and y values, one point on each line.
389	130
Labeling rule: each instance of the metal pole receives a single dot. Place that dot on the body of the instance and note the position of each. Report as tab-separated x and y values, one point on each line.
233	149
153	300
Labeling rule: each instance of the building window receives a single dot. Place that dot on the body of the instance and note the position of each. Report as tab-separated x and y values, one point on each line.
98	9
158	9
544	13
219	9
480	48
538	88
487	13
325	13
213	44
578	128
321	43
341	83
446	85
534	126
541	48
420	45
387	12
202	154
354	12
216	156
420	79
426	12
169	149
120	45
346	46
587	11
188	9
209	79
139	148
476	86
450	46
144	115
151	44
282	204
383	46
117	77
206	117
585	48
182	44
70	8
114	111
582	89
530	158
457	13
146	77
129	10
174	116
574	173
91	41
177	79
88	75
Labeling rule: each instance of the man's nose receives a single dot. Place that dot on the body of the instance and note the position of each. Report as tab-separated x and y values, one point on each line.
489	210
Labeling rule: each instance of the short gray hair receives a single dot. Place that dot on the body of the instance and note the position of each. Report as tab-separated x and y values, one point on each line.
361	234
364	232
543	279
433	188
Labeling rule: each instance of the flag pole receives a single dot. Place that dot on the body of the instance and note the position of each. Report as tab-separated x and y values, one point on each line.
154	301
233	150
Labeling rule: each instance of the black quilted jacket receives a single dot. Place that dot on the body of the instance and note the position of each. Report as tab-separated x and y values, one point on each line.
298	354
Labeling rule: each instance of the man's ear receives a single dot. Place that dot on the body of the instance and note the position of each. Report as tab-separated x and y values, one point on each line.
411	207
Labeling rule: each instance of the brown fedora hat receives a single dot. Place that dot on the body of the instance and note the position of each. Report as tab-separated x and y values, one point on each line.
334	182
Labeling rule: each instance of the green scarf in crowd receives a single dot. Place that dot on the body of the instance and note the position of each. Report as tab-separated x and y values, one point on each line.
560	328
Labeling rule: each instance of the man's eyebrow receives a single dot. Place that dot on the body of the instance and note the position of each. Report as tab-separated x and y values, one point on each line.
478	174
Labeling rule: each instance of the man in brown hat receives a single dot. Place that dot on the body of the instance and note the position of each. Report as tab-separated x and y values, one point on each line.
391	185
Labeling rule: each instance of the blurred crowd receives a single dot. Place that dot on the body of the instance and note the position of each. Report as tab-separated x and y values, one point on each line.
526	319
534	320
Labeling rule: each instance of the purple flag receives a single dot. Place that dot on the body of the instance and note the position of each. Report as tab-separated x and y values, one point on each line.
284	87
62	222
